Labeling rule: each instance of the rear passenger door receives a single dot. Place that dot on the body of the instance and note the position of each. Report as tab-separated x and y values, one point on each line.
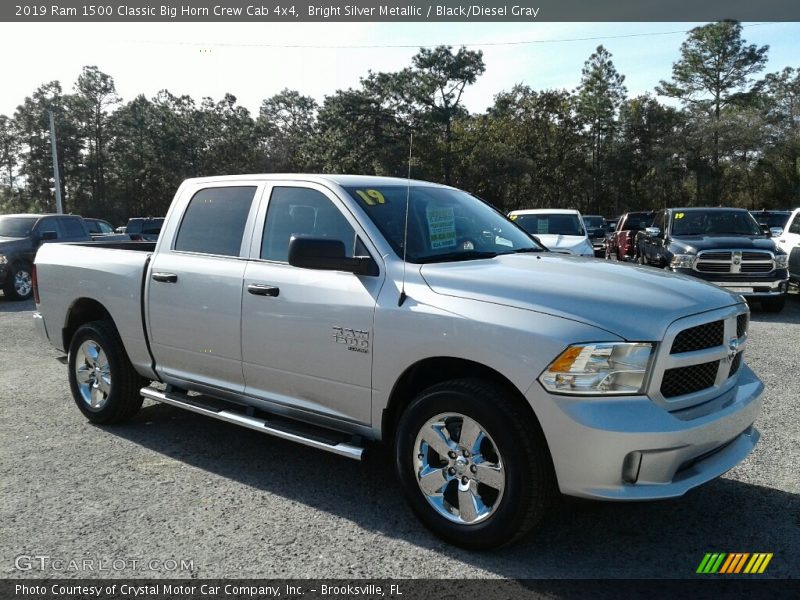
194	291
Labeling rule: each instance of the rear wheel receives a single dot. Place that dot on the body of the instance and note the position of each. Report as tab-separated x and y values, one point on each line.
19	284
475	468
103	382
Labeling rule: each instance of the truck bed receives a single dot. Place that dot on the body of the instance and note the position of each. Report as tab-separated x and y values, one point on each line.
109	273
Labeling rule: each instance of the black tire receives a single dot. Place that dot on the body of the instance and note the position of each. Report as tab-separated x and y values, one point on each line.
123	400
774	305
529	480
16	289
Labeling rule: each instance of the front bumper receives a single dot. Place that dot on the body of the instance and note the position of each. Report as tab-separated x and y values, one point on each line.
748	286
629	448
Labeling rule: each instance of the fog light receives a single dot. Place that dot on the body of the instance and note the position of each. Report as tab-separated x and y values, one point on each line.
631	466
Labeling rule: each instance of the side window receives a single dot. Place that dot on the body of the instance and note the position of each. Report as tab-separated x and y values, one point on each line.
72	228
795	225
105	227
295	211
214	221
50	224
659	221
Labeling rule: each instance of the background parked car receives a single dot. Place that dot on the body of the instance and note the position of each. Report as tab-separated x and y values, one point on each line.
20	238
144	228
789	242
772	219
98	227
724	246
558	229
596	230
621	244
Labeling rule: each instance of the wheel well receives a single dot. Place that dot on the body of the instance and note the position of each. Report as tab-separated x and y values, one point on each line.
84	310
431	371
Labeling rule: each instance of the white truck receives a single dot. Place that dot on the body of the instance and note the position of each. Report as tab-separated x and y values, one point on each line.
788	240
336	311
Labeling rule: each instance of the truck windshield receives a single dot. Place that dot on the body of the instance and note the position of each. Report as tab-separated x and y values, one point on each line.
16	226
593	222
443	224
714	222
550	223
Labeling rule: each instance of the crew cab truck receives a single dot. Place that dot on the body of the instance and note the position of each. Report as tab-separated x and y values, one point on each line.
725	246
788	240
340	310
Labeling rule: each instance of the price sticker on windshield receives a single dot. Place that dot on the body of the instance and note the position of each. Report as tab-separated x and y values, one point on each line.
371	197
679	215
441	226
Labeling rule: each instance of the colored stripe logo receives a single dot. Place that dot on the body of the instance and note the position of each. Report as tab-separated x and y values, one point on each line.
733	563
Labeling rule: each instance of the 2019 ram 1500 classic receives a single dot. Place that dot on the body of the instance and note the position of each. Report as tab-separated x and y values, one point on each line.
723	245
498	372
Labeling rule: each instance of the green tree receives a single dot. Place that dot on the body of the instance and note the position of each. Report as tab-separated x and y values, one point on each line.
287	122
599	97
714	73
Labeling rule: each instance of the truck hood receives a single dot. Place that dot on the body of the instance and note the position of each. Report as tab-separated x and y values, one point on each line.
8	245
694	243
635	303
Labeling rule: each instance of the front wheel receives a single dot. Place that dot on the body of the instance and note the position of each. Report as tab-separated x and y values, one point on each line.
475	468
103	382
19	285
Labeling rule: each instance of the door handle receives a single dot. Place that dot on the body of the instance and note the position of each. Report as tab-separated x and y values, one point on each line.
258	289
165	277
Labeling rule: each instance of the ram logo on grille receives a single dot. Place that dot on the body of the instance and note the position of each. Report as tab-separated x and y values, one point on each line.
733	349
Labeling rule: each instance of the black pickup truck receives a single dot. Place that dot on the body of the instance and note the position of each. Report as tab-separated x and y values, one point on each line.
20	238
725	246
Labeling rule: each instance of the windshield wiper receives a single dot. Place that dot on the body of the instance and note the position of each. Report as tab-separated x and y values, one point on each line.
522	250
456	256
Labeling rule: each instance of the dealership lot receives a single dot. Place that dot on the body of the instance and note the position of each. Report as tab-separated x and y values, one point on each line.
173	494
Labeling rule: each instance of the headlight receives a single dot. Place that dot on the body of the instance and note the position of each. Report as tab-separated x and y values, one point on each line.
602	368
3	259
781	261
682	261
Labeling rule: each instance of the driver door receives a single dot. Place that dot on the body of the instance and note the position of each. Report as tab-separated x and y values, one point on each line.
307	334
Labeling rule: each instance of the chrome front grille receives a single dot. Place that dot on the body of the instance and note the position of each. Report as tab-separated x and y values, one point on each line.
734	261
699	358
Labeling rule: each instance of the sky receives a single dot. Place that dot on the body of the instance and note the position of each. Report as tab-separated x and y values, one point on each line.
254	61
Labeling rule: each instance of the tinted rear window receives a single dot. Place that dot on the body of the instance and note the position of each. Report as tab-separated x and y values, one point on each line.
214	221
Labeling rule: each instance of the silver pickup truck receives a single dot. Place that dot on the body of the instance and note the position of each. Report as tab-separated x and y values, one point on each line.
339	310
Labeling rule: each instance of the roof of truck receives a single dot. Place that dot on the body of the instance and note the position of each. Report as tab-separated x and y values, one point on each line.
342	180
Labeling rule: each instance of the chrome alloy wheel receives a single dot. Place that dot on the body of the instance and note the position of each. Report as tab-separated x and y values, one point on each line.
23	283
459	468
93	374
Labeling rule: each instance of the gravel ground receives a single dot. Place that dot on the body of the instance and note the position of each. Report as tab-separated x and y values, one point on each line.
173	485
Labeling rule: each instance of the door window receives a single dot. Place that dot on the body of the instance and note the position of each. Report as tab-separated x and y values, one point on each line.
214	221
795	225
72	227
297	211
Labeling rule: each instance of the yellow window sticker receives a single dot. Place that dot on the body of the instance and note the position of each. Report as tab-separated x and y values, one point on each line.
679	215
371	197
513	217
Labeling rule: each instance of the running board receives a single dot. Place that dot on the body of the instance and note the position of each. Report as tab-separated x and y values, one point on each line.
217	409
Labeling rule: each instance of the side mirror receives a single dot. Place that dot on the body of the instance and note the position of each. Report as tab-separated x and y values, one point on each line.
653	231
776	231
327	255
48	235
